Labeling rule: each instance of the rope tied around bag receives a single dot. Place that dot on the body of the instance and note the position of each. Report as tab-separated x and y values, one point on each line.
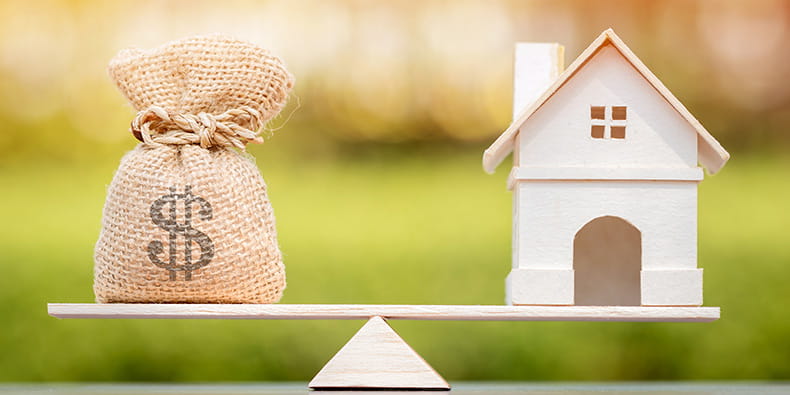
235	127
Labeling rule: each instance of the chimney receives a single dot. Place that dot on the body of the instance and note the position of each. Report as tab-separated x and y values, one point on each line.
537	66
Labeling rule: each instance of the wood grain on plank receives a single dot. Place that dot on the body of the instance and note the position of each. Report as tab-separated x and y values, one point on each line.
402	312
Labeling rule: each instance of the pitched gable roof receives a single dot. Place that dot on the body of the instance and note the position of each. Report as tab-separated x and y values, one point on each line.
709	152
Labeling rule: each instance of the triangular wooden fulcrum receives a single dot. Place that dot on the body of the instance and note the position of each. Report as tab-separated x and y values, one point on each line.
377	358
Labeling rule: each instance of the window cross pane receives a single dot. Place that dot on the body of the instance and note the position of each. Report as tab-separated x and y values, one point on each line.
597	112
618	132
597	131
618	113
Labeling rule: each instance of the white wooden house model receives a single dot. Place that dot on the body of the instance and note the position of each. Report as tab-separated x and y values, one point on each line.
604	179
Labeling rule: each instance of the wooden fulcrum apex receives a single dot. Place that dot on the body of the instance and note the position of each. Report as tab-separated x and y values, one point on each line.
377	358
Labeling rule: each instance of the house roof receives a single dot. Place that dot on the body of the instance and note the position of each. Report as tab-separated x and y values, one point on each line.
709	152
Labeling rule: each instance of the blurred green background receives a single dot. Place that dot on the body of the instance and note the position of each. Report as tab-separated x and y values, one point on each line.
376	181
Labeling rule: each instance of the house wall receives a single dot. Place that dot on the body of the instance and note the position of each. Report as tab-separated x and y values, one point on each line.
558	134
550	213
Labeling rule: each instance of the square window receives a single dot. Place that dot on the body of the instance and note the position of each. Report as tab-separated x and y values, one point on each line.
597	131
618	113
618	132
597	112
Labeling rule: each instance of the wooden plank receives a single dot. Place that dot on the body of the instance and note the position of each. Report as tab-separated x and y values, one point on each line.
402	312
377	358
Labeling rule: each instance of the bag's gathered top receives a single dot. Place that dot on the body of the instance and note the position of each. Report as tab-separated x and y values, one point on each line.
205	90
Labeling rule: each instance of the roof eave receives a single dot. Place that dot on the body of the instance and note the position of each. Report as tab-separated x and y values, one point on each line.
712	156
498	151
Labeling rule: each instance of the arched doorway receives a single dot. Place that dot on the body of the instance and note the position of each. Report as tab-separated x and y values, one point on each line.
607	260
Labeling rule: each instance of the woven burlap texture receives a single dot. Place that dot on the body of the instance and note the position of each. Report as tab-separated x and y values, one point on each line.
199	100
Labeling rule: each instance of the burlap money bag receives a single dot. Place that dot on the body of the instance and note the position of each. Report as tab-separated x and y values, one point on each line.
187	218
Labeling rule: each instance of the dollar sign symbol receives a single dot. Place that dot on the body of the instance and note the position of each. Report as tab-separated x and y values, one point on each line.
190	234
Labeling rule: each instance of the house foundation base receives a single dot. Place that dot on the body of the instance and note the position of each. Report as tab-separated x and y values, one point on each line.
539	287
555	287
675	287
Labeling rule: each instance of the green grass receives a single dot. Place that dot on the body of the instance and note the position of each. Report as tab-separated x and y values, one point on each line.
426	227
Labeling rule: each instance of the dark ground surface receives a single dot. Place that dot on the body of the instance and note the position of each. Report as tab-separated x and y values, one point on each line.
460	388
